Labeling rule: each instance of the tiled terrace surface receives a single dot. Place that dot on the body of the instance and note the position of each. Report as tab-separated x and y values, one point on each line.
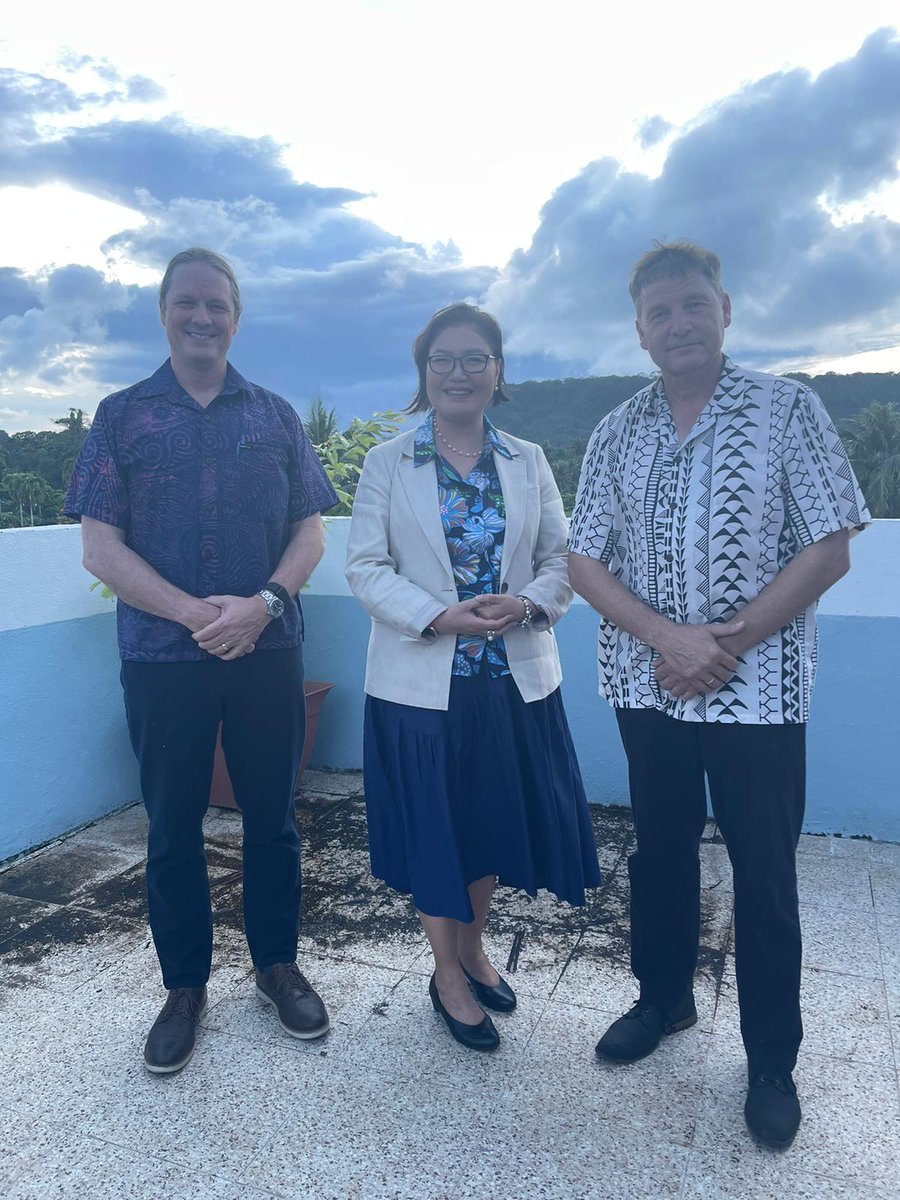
388	1105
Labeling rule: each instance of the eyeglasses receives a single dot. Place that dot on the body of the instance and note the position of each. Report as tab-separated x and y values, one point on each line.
472	364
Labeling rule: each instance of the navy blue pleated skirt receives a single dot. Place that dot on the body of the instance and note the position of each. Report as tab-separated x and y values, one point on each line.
489	787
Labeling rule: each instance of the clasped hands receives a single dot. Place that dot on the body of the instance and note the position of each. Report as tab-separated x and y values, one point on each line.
480	616
227	626
697	658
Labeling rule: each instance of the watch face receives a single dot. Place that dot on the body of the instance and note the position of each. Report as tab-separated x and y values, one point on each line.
276	607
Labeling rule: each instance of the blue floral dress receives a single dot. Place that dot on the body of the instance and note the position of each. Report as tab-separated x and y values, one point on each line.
473	515
491	785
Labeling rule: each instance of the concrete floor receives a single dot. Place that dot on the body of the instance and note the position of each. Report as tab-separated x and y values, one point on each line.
388	1105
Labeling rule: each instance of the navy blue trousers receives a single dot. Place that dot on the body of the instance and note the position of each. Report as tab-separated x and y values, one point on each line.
173	712
757	783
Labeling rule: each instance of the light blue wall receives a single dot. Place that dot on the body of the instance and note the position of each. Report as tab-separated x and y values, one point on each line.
854	732
65	755
65	758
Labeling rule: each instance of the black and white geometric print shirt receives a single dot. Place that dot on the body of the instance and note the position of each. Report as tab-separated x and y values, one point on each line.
698	529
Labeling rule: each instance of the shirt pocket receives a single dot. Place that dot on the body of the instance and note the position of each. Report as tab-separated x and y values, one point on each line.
260	478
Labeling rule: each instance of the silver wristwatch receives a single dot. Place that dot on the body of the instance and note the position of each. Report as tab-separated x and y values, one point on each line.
274	604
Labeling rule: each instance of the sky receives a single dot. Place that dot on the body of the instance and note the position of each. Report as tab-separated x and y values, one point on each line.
366	162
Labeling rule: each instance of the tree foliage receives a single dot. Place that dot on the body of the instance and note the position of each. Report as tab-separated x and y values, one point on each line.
342	454
872	439
319	422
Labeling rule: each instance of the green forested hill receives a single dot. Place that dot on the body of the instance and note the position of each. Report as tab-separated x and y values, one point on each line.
560	412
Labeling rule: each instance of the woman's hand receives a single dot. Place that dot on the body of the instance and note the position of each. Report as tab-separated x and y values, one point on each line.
464	618
504	612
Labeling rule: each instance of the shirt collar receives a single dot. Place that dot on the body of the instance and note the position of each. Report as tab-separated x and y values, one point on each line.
426	448
163	383
732	392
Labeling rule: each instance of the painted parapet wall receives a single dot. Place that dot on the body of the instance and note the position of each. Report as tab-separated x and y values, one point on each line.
64	752
854	734
65	758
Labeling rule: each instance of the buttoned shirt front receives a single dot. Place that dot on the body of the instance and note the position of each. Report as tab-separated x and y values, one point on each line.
698	529
473	518
206	496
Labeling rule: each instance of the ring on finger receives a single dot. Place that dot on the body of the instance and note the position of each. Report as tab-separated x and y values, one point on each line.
224	646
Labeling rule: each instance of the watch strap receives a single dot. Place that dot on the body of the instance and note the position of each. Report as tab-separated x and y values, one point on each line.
277	590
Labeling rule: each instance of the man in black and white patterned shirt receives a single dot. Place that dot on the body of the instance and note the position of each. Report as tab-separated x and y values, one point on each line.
714	509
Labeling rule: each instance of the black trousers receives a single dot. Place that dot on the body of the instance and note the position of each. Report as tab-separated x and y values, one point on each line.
173	712
757	782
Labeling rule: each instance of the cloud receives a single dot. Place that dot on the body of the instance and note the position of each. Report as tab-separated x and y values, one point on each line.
653	130
333	302
749	179
17	293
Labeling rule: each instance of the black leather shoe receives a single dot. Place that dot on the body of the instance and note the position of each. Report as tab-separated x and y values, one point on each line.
772	1110
482	1036
641	1029
170	1042
500	997
301	1012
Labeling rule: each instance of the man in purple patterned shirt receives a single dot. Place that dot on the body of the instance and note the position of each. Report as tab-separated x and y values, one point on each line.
200	499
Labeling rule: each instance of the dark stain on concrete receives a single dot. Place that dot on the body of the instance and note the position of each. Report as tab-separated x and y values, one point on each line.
60	874
345	910
18	913
66	927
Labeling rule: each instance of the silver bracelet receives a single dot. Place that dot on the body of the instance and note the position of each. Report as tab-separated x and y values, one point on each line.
529	613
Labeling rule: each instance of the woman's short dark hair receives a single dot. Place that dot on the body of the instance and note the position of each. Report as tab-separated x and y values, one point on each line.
456	314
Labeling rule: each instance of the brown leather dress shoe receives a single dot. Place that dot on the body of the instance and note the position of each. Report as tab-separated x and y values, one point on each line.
170	1042
301	1012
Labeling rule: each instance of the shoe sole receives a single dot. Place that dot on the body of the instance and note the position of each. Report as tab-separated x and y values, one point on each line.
304	1037
675	1027
154	1070
770	1143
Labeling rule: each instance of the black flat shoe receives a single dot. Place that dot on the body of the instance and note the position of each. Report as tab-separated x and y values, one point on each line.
482	1036
500	997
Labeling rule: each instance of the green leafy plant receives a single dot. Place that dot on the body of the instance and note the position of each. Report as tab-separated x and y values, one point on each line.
342	453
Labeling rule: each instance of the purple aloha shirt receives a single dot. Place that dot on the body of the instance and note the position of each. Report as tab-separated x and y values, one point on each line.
473	515
206	496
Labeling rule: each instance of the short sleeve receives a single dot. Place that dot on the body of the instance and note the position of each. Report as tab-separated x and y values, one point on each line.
821	492
310	488
96	487
592	528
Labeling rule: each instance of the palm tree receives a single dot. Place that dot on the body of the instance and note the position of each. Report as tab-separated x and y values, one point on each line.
319	422
76	423
872	439
24	487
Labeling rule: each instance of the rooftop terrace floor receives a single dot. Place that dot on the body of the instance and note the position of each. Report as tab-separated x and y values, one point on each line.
387	1105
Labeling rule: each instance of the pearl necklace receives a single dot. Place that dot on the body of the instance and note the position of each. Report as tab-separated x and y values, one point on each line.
456	450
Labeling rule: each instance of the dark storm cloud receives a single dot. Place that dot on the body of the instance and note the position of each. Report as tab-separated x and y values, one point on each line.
748	179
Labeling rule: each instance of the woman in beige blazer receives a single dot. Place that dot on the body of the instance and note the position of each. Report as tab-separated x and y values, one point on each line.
458	551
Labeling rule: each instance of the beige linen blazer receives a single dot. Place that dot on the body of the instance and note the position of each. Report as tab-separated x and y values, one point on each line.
399	569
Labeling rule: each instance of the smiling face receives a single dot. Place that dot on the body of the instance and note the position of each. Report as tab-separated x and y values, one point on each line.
199	317
460	397
681	324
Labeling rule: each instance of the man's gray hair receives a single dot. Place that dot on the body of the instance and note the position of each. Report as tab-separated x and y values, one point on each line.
673	260
197	254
